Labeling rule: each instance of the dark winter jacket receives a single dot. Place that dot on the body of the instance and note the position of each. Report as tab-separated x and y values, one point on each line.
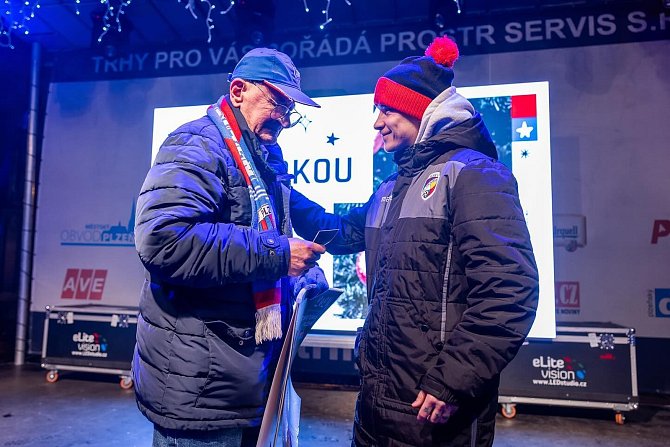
452	286
196	363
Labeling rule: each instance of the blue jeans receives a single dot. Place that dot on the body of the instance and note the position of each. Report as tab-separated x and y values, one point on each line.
231	437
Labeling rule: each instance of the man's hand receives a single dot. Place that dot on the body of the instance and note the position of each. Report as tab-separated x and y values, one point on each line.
304	255
313	277
433	410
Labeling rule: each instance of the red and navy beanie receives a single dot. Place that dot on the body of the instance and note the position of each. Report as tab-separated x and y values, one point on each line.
410	86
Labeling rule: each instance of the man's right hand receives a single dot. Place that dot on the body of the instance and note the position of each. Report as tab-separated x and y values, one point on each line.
304	255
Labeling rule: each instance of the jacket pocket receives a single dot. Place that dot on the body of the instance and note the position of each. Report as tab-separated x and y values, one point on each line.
408	350
240	338
238	372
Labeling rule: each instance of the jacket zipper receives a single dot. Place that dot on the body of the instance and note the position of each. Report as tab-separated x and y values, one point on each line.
445	291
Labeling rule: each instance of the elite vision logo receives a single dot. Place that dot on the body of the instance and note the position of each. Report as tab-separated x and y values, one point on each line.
89	345
564	371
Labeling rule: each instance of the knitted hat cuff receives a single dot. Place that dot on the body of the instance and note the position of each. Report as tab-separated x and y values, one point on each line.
398	97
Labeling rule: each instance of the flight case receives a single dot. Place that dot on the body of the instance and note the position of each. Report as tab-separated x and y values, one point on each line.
590	365
89	338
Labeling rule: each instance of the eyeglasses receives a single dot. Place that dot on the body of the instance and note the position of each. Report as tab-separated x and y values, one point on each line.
282	112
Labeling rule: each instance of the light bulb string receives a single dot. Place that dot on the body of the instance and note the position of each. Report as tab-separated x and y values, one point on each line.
15	15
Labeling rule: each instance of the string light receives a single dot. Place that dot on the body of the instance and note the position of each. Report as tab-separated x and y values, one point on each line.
190	5
230	6
14	18
120	13
112	15
326	12
15	15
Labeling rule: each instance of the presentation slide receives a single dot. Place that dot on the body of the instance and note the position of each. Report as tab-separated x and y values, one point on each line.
335	161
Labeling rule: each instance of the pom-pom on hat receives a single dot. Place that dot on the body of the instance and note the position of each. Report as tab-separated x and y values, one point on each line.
411	85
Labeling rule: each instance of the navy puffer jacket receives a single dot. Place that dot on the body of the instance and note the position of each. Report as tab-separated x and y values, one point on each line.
196	363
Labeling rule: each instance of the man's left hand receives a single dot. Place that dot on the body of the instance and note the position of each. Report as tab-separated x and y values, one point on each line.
433	410
313	276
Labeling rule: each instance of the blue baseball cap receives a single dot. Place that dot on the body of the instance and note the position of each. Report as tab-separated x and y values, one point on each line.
275	68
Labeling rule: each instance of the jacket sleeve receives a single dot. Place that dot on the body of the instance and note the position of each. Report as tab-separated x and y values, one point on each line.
490	234
309	217
181	233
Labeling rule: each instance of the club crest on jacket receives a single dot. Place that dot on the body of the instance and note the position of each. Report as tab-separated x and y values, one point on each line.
430	185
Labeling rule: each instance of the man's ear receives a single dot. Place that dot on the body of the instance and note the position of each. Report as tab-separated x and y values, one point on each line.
237	88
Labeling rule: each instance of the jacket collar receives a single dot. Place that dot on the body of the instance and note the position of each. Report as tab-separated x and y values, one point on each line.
471	133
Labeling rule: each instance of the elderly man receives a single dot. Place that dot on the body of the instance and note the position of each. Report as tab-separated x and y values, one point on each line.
451	276
213	233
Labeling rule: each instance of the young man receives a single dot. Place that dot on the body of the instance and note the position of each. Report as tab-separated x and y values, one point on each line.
451	277
213	233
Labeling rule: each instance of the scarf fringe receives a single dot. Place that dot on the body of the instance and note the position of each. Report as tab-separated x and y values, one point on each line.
268	323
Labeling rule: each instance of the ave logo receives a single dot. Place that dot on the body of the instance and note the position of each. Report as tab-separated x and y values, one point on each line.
84	284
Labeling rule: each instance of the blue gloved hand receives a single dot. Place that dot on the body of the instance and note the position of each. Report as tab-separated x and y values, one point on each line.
314	280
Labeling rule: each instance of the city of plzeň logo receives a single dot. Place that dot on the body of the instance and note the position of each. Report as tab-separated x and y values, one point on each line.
564	371
89	345
430	185
101	234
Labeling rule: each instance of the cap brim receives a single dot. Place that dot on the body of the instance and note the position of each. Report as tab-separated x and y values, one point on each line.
293	93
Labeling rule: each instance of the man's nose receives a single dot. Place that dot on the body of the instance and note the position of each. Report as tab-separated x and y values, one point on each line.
379	123
285	121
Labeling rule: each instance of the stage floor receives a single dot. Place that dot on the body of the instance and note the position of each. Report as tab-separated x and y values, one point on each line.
92	410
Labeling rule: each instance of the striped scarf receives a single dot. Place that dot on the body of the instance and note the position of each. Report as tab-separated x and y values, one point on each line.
266	294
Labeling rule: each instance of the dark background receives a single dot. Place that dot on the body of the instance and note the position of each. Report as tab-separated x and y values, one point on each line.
14	105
